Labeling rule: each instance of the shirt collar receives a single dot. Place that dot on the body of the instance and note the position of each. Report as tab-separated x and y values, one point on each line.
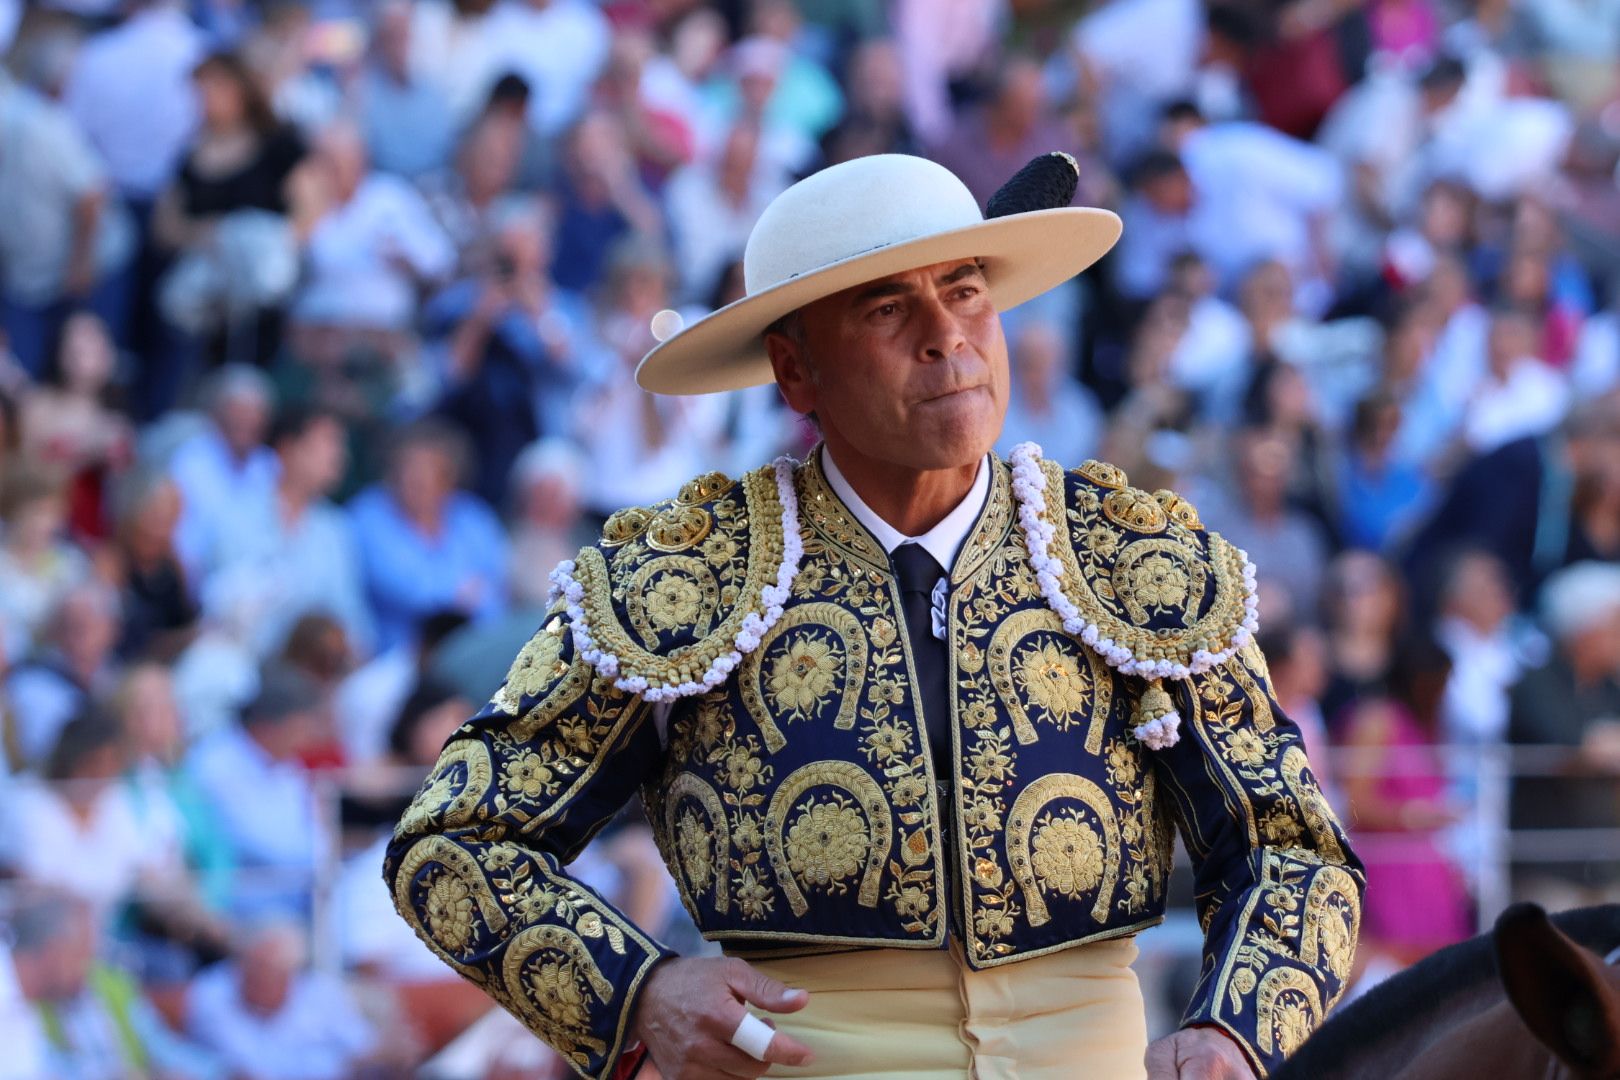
943	541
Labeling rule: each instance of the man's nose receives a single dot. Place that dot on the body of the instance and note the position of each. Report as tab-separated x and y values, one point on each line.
940	335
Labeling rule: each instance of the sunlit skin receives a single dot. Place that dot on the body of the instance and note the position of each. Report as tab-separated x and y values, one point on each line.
907	376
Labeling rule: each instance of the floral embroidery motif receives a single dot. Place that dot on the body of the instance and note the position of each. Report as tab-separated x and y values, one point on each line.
1068	855
527	775
1135	509
802	676
696	850
827	845
1052	679
1158	583
448	912
675	601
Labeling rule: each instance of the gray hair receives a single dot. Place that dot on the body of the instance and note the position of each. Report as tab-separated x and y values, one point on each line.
1579	597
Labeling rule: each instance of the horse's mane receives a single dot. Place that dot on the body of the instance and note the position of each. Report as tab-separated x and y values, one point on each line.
1414	995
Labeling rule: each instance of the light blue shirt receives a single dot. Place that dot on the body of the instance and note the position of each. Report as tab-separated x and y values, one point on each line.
290	570
214	485
410	575
268	812
318	1034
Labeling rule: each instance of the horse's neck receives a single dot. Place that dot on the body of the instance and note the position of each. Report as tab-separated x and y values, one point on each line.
1492	1042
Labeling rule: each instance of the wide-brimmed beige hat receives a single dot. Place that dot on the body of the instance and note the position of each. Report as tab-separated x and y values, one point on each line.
856	222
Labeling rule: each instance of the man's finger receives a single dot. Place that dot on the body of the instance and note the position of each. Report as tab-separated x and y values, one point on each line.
757	988
783	1049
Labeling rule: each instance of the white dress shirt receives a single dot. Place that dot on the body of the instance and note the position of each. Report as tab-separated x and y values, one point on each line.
943	541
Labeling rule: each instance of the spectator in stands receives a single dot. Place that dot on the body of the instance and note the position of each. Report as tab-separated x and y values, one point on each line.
498	154
268	1015
875	120
1285	543
1572	701
370	235
1396	789
1380	497
426	545
252	776
713	204
292	544
1364	615
514	347
37	564
131	93
546	524
72	664
1047	404
370	698
408	125
226	212
223	464
1519	395
160	616
70	422
639	443
155	739
599	199
98	1024
1015	124
65	240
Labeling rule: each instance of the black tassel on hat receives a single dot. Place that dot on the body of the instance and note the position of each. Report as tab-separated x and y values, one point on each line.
1046	183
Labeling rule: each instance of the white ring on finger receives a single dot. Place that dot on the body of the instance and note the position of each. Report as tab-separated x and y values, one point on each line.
753	1036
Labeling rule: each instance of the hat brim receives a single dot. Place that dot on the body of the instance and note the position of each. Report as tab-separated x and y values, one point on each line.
1024	255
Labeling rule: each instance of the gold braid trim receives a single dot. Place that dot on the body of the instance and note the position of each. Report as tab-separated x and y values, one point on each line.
688	663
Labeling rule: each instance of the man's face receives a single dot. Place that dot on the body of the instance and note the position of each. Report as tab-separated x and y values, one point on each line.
908	370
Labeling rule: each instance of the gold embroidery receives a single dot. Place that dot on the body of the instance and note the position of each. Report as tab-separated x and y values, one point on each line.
827	844
452	792
851	779
703	489
700	846
762	523
453	861
678	528
1022	822
1318	814
677	592
801	675
1135	509
1103	474
1093	581
1179	509
550	967
1332	924
1067	856
1288	1008
625	525
534	669
448	913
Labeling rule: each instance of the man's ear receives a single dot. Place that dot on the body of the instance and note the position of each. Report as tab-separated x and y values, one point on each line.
791	364
1564	994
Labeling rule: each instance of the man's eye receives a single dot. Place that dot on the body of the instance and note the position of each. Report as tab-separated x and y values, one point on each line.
886	310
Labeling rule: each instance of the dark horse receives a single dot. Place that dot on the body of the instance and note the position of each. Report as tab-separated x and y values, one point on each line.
1536	998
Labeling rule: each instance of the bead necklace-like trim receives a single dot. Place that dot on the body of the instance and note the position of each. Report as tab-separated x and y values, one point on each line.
1160	729
755	625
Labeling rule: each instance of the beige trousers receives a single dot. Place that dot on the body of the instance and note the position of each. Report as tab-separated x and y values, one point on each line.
888	1014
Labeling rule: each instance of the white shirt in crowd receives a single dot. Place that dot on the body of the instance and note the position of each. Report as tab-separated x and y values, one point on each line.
317	1034
268	812
213	483
100	857
355	247
131	93
21	1033
1530	400
1257	193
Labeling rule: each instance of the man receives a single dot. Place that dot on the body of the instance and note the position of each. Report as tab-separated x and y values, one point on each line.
898	698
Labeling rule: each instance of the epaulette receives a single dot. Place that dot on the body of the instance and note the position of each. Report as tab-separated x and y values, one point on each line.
675	594
1135	576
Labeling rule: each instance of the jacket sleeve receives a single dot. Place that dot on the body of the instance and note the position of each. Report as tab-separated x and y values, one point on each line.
476	865
1277	887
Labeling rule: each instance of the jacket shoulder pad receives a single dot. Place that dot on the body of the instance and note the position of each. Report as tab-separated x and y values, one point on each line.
661	600
1158	594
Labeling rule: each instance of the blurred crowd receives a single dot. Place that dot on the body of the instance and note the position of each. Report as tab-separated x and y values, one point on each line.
319	324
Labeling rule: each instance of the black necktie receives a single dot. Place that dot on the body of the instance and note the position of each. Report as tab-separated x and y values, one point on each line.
917	573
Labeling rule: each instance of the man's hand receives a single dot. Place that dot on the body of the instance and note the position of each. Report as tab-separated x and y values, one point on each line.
1197	1053
690	1008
